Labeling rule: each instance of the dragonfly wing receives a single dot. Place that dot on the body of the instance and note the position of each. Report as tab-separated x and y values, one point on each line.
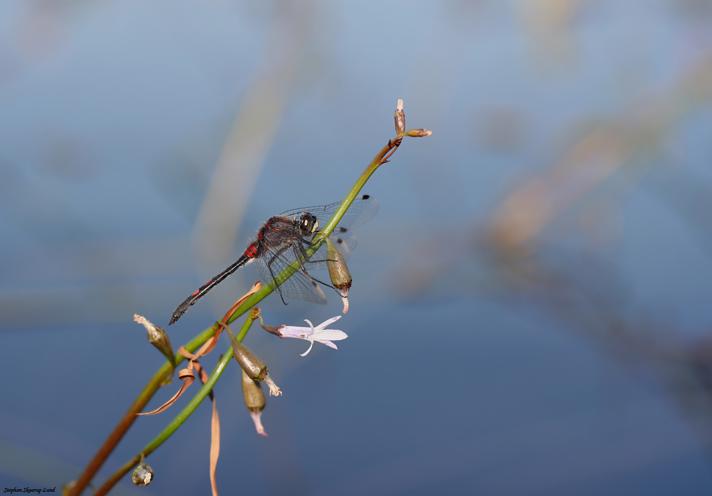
362	210
299	286
344	242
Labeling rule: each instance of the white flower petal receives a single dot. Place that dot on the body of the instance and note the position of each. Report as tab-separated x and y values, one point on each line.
329	344
319	334
311	345
273	388
330	335
295	332
257	419
327	322
345	304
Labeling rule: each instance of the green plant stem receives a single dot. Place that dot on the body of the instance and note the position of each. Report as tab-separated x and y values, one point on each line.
154	383
179	419
377	161
131	415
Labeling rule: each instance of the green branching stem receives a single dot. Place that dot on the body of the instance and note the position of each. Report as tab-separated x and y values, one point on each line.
162	373
179	419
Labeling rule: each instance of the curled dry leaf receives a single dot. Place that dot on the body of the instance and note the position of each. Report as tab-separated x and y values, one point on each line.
187	375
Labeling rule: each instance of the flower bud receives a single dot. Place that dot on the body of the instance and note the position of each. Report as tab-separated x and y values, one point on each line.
250	363
338	272
158	337
418	133
254	401
142	475
399	118
253	366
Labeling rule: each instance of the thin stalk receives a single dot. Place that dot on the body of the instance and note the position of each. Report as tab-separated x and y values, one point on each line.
380	159
154	383
179	419
131	415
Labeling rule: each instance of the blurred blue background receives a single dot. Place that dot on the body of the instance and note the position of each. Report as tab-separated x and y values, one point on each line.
531	306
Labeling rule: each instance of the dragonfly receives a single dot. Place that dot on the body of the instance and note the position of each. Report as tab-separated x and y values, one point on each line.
286	238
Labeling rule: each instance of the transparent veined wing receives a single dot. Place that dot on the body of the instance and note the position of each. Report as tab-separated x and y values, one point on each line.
363	209
301	285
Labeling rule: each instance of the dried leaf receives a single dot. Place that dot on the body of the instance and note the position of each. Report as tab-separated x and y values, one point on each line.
209	345
188	356
203	375
187	376
214	446
255	288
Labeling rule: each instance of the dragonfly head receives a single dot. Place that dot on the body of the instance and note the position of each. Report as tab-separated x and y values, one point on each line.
308	224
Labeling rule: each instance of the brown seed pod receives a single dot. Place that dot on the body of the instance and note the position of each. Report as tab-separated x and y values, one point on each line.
338	270
142	475
253	366
252	394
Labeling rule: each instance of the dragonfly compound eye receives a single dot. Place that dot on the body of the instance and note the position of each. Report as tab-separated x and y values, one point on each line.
308	224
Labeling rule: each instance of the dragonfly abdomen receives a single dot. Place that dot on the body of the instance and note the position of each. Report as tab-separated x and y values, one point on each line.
200	292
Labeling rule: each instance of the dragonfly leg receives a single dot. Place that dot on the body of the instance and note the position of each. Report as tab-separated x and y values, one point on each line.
301	255
307	242
303	259
269	267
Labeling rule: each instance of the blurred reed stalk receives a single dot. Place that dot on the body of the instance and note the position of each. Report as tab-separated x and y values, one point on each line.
252	134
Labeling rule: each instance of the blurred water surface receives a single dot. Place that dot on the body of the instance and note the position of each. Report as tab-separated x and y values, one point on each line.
531	307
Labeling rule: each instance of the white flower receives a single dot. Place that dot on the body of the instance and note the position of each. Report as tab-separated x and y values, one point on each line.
319	334
257	419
